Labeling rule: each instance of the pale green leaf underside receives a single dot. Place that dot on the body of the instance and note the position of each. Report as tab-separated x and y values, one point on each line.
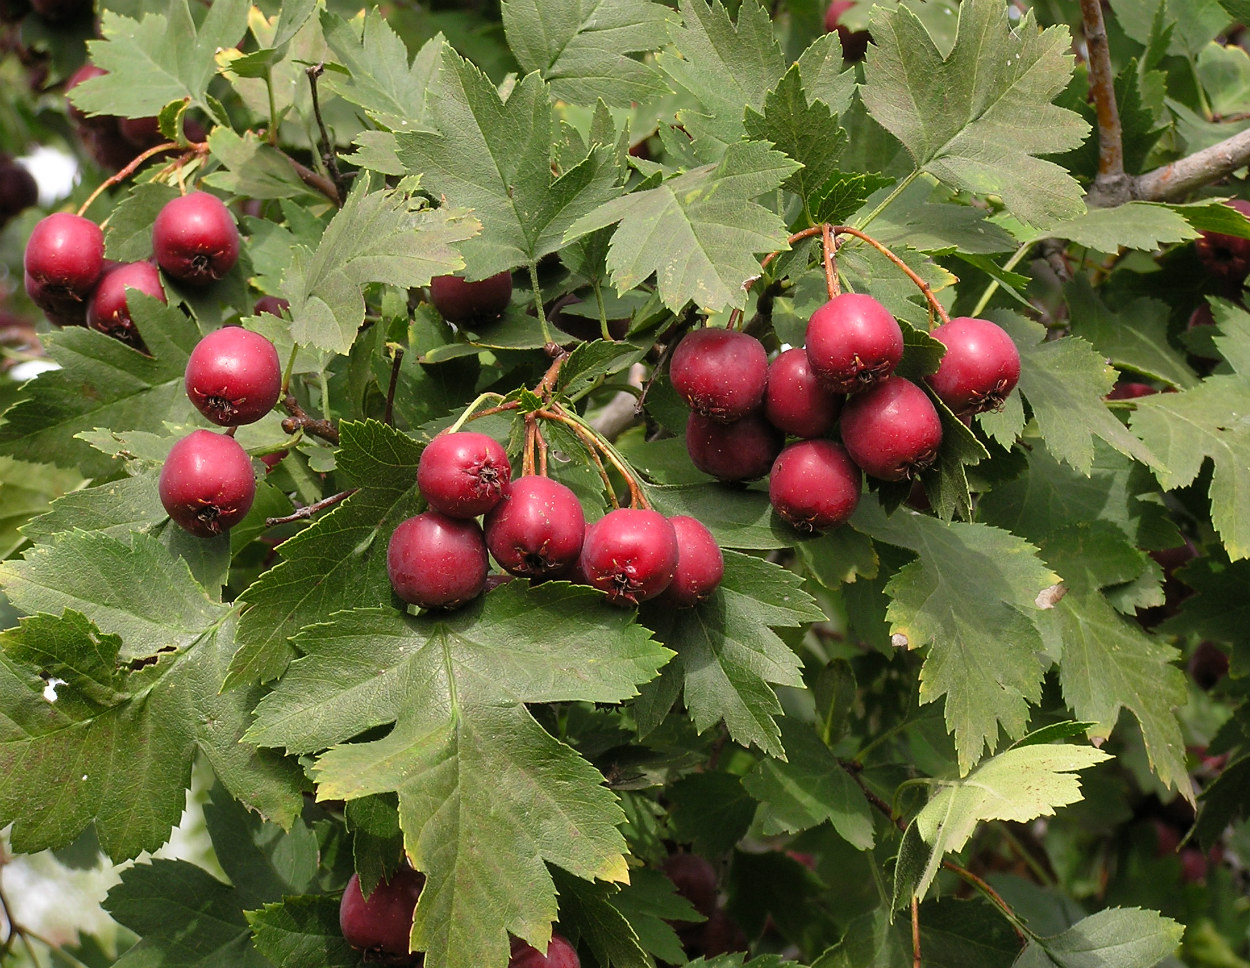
1114	938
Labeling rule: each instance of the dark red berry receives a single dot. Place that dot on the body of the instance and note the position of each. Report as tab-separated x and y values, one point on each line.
18	189
140	133
233	376
1227	257
62	308
65	255
853	342
979	369
740	451
695	880
583	327
464	474
97	121
630	553
207	485
1128	390
700	568
273	305
854	42
108	311
720	373
437	562
891	430
814	485
536	531
194	238
1207	665
460	301
796	402
381	923
560	954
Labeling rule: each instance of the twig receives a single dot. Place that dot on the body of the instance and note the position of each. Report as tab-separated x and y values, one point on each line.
1113	185
907	270
915	932
316	181
309	510
300	419
989	892
828	248
1193	171
328	157
389	413
122	174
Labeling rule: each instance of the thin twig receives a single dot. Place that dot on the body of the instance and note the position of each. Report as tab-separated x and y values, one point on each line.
328	155
915	932
122	174
309	510
989	892
316	181
300	419
1114	186
828	247
389	412
910	273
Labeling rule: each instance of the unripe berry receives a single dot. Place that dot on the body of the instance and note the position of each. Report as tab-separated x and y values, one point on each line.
630	553
194	238
891	430
463	474
233	376
740	451
207	485
560	954
814	485
536	531
720	373
796	402
700	568
853	342
460	301
437	562
382	923
980	368
65	255
108	311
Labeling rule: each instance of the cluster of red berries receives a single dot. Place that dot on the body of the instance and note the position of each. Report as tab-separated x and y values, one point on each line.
535	528
743	407
380	925
194	240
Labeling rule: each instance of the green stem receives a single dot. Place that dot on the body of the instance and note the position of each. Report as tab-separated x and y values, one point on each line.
889	199
538	301
290	368
603	311
992	288
466	416
273	109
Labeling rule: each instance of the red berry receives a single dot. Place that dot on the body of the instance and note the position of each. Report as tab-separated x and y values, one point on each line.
207	485
381	923
720	373
18	189
1226	257
536	531
560	954
85	73
700	565
463	474
140	133
740	451
194	238
814	485
630	553
854	42
65	255
273	305
980	368
62	308
437	562
107	310
233	376
891	430
460	301
853	342
1127	390
695	880
795	401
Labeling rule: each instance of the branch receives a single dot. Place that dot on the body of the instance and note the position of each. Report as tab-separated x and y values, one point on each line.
314	180
1112	186
300	419
1193	171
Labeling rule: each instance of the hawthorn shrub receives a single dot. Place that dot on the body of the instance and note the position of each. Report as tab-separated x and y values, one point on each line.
925	644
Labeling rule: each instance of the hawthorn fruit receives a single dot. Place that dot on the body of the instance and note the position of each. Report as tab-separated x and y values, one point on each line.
740	451
560	954
463	474
630	553
853	342
18	189
1226	257
700	567
720	373
108	310
233	376
381	924
64	257
460	301
536	531
814	485
436	561
206	484
979	369
194	238
892	430
795	401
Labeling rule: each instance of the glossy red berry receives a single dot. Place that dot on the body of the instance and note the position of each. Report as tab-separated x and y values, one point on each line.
700	564
740	451
381	923
853	342
437	562
720	373
463	474
536	531
62	308
460	301
979	369
108	310
891	430
233	376
796	402
854	42
560	954
1227	257
194	238
630	553
207	485
814	485
65	255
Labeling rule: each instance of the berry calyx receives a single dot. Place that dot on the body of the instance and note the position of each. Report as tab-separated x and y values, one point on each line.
740	451
560	954
796	402
814	485
435	561
980	368
233	376
65	255
381	924
207	485
536	531
108	310
700	565
463	474
891	430
194	238
460	301
720	373
853	342
630	553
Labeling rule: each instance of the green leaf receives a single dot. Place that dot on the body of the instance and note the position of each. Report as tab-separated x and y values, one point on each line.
929	218
699	232
982	632
252	168
25	491
1193	22
493	155
128	235
1114	938
977	117
845	193
302	932
953	934
163	57
727	654
581	47
1134	225
1209	421
591	909
737	518
375	237
711	810
651	906
1018	785
377	841
1219	608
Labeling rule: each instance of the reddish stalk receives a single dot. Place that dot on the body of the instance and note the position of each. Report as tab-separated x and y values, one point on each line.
309	510
829	246
915	932
122	174
300	420
1112	183
907	270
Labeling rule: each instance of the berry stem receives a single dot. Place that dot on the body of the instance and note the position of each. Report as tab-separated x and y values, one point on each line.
124	173
468	413
829	247
916	960
309	510
527	455
907	270
595	443
532	266
388	415
290	368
